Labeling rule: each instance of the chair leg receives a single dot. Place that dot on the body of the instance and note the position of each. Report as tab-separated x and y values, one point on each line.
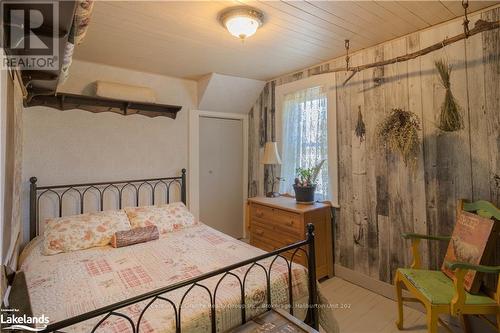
399	295
432	320
466	323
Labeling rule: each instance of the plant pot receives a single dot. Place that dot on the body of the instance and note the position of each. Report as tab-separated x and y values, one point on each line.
304	194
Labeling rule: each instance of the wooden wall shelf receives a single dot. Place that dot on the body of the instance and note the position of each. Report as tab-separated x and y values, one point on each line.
63	101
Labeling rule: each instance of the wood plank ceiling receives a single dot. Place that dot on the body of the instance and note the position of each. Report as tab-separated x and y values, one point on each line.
184	38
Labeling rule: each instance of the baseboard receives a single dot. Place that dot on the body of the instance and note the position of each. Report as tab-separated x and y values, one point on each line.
379	287
387	290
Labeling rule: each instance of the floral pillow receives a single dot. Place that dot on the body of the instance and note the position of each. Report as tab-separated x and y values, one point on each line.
78	232
166	218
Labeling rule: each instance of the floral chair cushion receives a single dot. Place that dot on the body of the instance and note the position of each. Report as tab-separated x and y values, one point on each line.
166	218
78	232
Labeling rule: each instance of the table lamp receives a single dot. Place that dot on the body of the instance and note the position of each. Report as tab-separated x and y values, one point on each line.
271	157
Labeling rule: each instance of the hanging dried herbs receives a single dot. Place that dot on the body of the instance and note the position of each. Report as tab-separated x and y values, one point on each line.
450	119
399	133
360	126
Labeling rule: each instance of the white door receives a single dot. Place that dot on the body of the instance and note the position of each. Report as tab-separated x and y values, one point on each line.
221	174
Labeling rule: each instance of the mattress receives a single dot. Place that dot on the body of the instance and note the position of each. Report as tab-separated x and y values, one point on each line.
69	284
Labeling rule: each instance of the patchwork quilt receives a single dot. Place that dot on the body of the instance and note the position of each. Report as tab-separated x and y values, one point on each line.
69	284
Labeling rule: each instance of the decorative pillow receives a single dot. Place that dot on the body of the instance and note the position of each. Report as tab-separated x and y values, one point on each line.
78	232
167	217
134	236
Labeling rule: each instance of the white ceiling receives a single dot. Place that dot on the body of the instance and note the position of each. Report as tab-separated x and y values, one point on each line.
184	38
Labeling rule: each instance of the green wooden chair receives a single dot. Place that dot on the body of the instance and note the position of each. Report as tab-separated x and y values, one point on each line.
437	292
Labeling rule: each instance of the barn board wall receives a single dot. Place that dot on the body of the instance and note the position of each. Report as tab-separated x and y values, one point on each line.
379	197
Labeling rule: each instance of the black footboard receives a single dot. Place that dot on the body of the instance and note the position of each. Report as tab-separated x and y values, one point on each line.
307	246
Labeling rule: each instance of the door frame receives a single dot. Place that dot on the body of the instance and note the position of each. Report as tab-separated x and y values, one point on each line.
194	158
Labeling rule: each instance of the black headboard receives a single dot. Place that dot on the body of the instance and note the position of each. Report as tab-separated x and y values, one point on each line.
154	184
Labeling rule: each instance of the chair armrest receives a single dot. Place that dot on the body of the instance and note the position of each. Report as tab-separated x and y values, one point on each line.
466	266
415	245
460	269
411	235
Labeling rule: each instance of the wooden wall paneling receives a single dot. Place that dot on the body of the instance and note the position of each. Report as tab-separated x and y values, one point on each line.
482	76
478	119
399	175
417	180
453	154
373	90
257	136
484	94
252	133
376	188
446	155
430	132
491	59
358	174
346	257
338	225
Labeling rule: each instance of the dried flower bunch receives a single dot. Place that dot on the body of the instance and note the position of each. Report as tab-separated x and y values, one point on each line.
399	133
360	126
450	119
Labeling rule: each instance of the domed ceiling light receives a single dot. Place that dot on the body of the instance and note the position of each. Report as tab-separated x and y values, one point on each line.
242	22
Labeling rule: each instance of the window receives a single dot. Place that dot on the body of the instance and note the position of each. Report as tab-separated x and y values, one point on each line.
307	133
305	137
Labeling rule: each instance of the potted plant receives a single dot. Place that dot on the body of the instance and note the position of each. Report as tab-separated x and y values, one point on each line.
305	183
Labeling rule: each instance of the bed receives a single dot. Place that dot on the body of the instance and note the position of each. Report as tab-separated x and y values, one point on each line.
193	280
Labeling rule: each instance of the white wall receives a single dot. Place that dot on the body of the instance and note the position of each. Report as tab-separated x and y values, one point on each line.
79	146
225	93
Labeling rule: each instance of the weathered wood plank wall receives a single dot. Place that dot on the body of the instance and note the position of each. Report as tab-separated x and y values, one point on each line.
379	197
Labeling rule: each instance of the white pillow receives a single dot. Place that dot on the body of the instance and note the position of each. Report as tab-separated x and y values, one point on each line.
166	218
78	232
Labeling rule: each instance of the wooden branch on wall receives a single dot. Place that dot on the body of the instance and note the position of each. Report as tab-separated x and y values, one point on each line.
479	27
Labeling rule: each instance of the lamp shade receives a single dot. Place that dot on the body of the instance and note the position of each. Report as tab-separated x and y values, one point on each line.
271	155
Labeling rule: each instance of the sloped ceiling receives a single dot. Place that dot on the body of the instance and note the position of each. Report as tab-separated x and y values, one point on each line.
224	93
184	38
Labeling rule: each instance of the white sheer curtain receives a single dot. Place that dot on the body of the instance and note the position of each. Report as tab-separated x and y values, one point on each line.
304	137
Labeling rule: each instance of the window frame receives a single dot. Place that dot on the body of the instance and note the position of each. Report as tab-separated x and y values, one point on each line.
328	82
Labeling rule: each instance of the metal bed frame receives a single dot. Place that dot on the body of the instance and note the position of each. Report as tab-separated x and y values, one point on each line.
306	246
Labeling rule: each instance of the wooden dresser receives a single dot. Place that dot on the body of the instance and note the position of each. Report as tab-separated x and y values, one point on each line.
277	222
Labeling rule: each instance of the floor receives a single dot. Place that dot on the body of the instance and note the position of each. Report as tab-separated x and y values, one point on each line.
367	312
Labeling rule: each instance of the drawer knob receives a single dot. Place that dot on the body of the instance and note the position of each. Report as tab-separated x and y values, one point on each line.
259	232
290	223
259	214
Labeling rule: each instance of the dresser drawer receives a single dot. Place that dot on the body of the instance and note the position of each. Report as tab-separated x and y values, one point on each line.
277	219
262	212
289	221
259	230
267	240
